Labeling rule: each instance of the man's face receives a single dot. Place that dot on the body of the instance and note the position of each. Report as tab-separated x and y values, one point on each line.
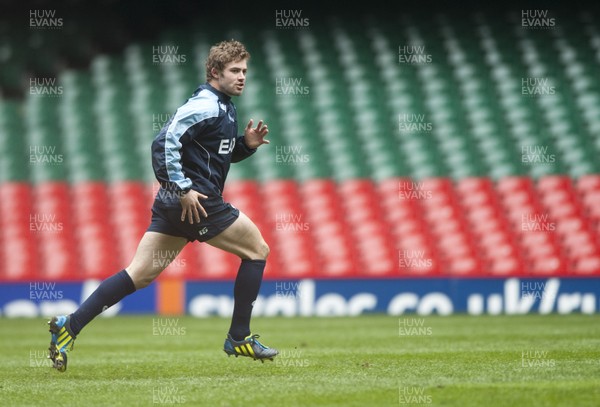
233	78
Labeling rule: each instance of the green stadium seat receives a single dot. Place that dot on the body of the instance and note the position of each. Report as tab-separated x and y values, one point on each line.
14	151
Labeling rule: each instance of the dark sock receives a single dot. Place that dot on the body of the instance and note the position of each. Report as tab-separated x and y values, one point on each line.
108	293
245	291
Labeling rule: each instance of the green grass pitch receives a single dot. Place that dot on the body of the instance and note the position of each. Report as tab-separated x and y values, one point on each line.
377	360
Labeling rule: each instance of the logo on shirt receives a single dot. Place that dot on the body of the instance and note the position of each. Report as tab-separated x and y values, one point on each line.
227	145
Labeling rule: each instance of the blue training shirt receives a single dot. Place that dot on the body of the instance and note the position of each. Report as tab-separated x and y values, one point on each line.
195	148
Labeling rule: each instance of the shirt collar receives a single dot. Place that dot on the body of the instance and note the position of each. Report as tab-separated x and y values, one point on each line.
224	97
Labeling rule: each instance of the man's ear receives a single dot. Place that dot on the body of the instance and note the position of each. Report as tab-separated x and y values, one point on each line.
214	73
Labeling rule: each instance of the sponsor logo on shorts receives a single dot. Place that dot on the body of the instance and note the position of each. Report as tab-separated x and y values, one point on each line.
203	231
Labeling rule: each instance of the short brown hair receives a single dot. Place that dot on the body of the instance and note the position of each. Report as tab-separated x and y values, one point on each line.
224	53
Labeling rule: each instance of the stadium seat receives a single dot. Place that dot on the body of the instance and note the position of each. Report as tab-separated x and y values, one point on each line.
94	233
20	260
588	183
131	216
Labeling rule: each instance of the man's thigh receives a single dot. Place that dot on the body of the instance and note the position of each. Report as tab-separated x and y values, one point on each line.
243	239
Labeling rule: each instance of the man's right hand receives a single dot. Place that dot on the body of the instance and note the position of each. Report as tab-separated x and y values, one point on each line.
192	209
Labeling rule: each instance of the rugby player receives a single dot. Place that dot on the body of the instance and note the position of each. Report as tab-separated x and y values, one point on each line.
191	157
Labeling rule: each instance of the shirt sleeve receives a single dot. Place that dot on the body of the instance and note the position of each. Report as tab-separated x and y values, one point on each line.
241	151
166	148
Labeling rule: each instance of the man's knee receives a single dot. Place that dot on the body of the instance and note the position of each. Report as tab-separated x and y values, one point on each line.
259	251
263	250
140	278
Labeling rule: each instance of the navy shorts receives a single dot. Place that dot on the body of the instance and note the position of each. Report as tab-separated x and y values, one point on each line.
167	220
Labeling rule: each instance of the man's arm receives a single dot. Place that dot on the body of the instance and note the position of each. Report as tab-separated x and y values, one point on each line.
168	172
241	151
166	159
166	156
189	119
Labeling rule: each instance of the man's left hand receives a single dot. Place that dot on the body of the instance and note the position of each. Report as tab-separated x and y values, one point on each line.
255	137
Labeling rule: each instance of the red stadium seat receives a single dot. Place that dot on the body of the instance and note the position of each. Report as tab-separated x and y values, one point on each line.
338	250
554	183
548	265
215	264
557	197
496	243
391	186
16	201
130	214
569	225
90	202
316	187
94	233
407	227
454	245
369	230
548	222
246	196
185	266
418	264
436	185
463	266
591	202
589	265
505	266
541	251
20	258
578	238
471	185
54	231
241	188
279	188
476	199
562	211
582	251
353	187
338	267
400	214
508	185
519	199
588	183
450	226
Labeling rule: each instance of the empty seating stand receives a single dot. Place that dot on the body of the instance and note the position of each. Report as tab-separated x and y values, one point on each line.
478	159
